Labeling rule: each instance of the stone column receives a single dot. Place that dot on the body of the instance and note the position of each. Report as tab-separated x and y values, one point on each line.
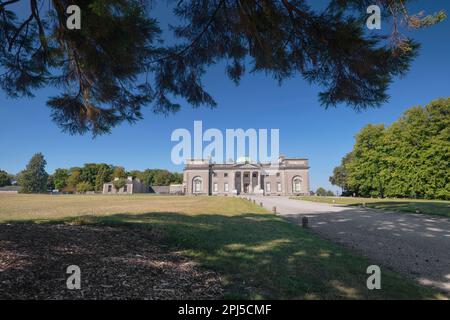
242	181
258	183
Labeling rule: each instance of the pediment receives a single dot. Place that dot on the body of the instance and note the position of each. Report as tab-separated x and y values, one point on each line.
248	166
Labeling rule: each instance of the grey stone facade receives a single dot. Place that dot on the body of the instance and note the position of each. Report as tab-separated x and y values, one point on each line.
289	177
133	185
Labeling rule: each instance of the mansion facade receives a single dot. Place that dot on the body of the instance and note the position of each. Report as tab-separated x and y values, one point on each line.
289	177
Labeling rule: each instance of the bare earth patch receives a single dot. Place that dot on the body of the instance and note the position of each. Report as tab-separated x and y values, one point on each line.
116	263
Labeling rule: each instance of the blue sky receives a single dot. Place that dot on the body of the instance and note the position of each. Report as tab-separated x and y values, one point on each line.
306	128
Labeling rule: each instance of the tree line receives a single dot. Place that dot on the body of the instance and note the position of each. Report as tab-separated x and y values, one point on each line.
408	159
90	177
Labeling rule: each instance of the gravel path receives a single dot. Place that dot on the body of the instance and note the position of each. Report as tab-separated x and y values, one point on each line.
413	244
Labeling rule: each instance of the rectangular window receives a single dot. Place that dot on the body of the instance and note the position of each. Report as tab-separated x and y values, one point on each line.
110	188
279	186
268	187
215	188
225	187
125	188
278	174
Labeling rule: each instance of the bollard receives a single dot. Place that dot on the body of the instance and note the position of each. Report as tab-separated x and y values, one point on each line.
364	204
261	204
305	222
274	209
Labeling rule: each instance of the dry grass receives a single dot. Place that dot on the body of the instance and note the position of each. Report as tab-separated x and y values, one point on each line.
47	207
257	254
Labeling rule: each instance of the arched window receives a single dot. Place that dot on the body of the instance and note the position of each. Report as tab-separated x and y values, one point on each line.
197	185
297	184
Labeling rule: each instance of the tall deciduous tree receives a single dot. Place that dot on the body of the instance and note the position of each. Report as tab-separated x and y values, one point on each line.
410	158
118	62
34	178
74	179
103	175
119	172
5	178
60	177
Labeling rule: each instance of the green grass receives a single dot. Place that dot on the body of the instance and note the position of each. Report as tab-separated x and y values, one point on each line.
258	255
431	207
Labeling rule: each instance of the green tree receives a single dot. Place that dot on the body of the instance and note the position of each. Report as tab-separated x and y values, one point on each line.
119	183
74	179
161	177
50	183
321	192
89	173
98	68
119	172
60	177
34	178
408	159
330	193
103	176
84	187
340	175
5	179
176	178
366	169
418	149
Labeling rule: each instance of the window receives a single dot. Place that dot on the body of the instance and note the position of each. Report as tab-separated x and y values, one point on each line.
197	185
297	184
268	187
278	174
225	175
215	188
245	175
109	188
225	187
255	174
279	187
125	188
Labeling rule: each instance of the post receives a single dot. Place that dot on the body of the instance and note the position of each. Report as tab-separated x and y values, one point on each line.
274	209
305	222
261	204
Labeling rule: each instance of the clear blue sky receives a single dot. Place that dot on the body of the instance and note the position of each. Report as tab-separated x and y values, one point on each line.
306	128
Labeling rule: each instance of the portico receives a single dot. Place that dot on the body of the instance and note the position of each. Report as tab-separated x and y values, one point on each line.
289	176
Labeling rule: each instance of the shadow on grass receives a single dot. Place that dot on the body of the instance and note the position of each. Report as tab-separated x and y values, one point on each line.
429	207
263	256
256	255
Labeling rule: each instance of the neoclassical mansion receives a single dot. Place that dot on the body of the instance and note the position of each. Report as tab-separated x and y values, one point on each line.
289	177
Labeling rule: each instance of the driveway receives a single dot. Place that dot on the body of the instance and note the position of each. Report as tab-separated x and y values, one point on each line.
413	244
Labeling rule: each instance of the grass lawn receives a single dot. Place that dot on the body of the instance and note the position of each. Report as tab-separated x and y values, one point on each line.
432	207
256	253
